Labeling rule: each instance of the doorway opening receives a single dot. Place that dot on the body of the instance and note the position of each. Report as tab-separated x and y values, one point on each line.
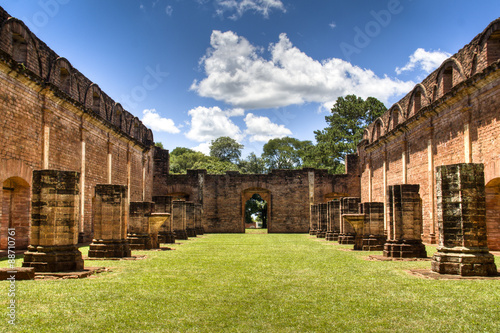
256	214
15	212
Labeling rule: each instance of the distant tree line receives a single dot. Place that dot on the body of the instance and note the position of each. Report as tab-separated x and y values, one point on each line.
345	125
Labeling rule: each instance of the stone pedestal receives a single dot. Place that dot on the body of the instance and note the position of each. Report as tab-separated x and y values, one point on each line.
313	223
156	221
110	222
461	210
405	223
179	219
163	204
198	213
348	205
322	220
190	219
333	220
139	236
54	222
356	221
373	227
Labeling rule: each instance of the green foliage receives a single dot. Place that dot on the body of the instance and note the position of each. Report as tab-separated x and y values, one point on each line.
226	149
159	145
215	166
252	164
256	208
182	159
349	117
285	153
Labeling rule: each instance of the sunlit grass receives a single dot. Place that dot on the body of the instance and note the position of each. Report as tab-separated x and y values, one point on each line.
255	283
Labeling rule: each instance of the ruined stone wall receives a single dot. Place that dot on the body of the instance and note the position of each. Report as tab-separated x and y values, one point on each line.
288	194
53	117
451	117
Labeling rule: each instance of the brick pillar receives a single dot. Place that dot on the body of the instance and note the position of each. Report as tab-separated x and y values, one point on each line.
109	209
54	222
373	227
461	211
163	204
139	236
190	219
322	220
333	224
348	205
313	223
198	213
356	222
405	223
179	219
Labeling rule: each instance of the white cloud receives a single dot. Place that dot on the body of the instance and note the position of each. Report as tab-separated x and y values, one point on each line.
203	147
210	123
262	129
169	10
426	60
237	74
333	25
153	120
238	7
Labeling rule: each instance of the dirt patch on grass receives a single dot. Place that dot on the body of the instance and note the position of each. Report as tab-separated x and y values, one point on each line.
428	274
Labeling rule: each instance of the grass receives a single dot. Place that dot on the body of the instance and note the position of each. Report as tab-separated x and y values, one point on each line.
255	283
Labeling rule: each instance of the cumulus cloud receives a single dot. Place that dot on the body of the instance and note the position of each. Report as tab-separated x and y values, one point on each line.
333	25
238	74
262	129
425	60
203	147
236	8
210	123
153	120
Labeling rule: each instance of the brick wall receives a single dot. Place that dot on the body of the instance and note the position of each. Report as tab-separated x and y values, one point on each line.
48	109
455	124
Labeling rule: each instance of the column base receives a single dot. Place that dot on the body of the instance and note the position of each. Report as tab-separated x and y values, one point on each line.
321	234
313	232
109	249
331	236
143	241
346	239
65	258
191	232
405	249
166	237
373	243
181	234
199	230
464	262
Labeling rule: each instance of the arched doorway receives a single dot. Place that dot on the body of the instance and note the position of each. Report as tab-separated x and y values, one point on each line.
15	212
493	214
256	209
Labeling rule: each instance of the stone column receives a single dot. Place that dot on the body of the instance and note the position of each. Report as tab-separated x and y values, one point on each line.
348	205
373	227
198	213
139	236
54	222
461	212
163	204
190	219
313	224
109	208
322	220
333	227
356	222
405	223
179	219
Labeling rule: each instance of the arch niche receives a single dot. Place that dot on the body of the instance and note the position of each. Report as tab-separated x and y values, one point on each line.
493	213
15	203
265	195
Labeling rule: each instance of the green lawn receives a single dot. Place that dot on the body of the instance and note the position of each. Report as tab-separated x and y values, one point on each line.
255	283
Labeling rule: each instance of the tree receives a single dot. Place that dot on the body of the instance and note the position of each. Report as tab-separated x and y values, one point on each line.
214	166
256	207
226	149
252	164
182	159
285	153
349	117
159	145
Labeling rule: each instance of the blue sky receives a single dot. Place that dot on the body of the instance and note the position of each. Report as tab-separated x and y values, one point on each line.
194	70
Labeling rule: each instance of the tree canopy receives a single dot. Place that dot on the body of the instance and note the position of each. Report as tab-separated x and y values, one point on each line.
226	149
285	153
